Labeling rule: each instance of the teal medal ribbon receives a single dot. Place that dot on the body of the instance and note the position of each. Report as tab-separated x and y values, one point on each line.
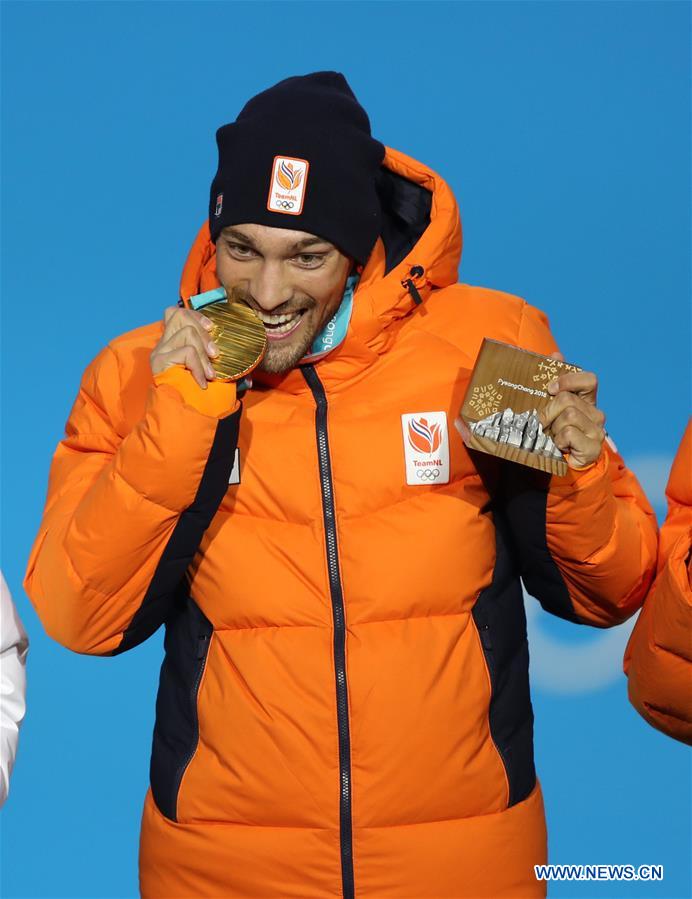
334	332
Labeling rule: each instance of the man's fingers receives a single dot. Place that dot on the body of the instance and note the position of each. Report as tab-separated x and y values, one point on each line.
565	400
187	356
175	350
186	341
579	448
168	313
190	336
575	427
572	418
175	318
582	383
571	438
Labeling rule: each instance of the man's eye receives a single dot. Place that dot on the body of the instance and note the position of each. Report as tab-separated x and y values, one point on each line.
310	260
239	249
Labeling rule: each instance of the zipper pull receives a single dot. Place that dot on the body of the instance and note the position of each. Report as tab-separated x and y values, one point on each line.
416	271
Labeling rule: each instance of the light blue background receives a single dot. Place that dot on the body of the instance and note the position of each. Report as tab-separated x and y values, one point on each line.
563	129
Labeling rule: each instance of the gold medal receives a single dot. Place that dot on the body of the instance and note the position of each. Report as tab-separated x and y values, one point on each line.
240	337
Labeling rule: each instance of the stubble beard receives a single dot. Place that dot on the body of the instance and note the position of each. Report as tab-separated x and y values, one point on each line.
279	359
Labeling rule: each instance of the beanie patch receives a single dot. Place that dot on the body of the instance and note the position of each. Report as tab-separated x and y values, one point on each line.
289	181
263	172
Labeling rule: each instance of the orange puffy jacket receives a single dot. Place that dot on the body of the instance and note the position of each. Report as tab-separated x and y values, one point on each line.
658	658
344	701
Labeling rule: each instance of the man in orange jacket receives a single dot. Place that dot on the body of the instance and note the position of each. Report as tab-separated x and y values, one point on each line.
658	659
344	705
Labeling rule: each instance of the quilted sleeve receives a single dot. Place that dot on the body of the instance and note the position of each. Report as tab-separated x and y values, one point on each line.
125	512
658	658
587	541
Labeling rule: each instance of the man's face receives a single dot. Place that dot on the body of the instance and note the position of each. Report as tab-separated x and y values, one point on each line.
294	281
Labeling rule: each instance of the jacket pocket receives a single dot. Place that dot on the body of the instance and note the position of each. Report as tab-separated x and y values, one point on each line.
500	620
176	731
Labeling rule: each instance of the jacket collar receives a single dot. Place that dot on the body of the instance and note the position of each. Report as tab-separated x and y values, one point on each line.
384	296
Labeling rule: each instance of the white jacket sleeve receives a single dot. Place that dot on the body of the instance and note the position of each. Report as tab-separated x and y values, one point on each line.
13	649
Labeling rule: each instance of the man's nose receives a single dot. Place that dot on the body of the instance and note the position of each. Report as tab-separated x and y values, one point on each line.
269	287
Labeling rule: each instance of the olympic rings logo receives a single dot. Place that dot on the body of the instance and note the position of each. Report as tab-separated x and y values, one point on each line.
427	474
285	204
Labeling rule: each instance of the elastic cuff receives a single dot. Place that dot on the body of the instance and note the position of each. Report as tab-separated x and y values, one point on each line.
585	467
217	401
601	463
579	478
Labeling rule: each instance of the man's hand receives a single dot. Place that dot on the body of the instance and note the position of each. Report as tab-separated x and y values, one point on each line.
185	341
571	418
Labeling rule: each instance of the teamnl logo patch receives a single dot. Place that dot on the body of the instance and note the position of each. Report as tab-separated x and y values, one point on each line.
288	183
426	447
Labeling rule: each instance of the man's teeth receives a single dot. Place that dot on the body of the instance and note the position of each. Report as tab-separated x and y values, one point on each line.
280	323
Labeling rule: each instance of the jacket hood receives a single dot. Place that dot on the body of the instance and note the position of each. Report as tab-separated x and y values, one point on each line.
420	244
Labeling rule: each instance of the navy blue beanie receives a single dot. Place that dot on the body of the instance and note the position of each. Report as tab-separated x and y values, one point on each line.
301	156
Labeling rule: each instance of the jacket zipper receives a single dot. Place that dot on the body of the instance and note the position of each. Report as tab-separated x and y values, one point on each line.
337	598
203	643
